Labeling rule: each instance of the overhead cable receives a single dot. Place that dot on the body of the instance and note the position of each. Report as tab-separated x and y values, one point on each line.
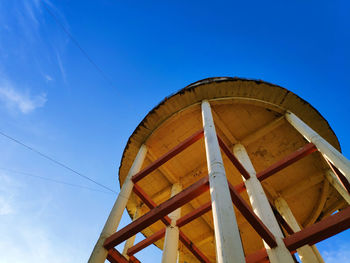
55	161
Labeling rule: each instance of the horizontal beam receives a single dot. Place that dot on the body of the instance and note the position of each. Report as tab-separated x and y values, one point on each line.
258	256
149	202
310	235
132	259
252	218
290	159
114	256
194	214
281	164
317	232
191	247
146	242
166	157
233	159
158	212
166	220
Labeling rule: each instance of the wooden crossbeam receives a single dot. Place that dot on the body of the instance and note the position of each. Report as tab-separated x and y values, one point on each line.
114	256
191	247
194	214
259	256
290	159
149	202
281	164
158	212
319	231
166	220
310	235
207	207
146	242
252	218
166	157
233	159
132	259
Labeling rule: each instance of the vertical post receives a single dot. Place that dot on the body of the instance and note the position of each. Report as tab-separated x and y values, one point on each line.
317	253
130	242
99	253
171	242
228	242
327	150
306	253
262	208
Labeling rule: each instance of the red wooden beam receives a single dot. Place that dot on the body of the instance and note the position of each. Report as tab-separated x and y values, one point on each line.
260	256
281	164
158	212
194	214
166	220
252	218
166	157
317	232
257	257
339	174
149	202
233	159
146	242
114	256
191	247
132	259
240	187
290	159
310	235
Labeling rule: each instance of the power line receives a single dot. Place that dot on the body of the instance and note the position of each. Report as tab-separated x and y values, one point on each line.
52	180
65	30
55	161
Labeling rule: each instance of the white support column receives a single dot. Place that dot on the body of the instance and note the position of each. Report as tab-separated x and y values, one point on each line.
171	241
130	242
228	242
332	154
317	253
306	253
333	180
99	253
262	208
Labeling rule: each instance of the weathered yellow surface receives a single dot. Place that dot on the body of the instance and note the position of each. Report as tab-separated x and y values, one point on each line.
241	108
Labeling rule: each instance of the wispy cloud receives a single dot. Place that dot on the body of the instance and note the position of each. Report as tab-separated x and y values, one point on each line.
7	206
61	67
25	237
13	98
48	77
337	254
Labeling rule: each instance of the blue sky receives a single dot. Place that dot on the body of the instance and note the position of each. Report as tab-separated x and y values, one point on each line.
54	100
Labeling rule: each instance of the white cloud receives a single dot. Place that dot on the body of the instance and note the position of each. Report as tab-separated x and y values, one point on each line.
5	207
8	188
48	77
15	99
338	254
60	66
25	236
